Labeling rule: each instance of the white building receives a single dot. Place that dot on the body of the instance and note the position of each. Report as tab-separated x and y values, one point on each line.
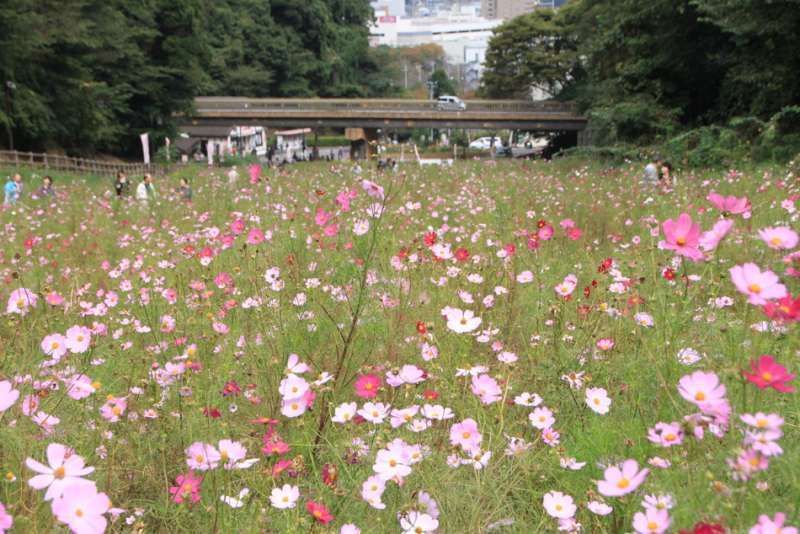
463	38
389	8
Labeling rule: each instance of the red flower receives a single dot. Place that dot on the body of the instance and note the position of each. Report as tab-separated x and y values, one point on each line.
462	254
605	265
319	512
769	373
668	274
211	412
430	239
587	291
510	249
231	388
421	328
785	310
705	528
430	394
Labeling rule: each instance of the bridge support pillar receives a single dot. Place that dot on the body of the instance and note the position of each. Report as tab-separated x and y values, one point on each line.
363	142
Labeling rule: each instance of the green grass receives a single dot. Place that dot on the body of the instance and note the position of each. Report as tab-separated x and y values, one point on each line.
482	202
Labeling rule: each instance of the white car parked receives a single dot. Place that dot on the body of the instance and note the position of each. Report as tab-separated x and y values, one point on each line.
485	143
450	103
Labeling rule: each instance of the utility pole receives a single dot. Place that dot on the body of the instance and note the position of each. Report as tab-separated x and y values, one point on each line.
405	74
9	86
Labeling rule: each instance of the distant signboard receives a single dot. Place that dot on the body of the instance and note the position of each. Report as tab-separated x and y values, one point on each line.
387	19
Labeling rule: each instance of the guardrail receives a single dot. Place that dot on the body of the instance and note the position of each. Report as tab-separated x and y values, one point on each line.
73	165
377	104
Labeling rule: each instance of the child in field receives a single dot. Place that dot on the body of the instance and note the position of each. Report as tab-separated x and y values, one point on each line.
121	185
47	188
185	190
13	190
145	190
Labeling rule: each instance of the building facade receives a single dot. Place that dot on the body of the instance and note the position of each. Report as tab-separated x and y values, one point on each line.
508	9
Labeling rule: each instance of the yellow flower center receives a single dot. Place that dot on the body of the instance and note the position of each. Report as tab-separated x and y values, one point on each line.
466	435
199	458
652	525
78	512
754	288
699	396
681	241
761	423
20	303
775	241
767	376
623	483
392	463
116	410
59	472
670	437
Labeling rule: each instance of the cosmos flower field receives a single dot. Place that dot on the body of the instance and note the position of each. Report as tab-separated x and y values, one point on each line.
493	347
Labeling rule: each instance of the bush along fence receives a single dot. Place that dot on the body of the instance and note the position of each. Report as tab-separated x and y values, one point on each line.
13	158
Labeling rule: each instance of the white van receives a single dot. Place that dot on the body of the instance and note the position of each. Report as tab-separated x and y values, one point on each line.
450	103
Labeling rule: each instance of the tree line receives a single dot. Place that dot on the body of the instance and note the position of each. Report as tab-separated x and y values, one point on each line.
646	71
91	75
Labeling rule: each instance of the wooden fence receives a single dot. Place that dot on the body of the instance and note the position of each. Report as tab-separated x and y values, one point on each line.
13	158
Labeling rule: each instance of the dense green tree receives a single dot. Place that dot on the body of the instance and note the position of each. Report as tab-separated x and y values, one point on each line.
443	85
534	52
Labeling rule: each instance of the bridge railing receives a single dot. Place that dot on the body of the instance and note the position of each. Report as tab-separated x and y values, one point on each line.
334	104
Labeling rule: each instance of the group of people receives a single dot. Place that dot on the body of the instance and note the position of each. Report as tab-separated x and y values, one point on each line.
12	191
146	190
658	172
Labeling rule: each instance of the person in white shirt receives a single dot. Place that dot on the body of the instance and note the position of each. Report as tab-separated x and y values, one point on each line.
145	190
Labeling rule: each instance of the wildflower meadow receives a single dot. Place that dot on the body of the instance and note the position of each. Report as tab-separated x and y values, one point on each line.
491	347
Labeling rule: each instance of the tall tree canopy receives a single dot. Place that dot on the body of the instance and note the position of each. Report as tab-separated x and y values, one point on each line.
90	75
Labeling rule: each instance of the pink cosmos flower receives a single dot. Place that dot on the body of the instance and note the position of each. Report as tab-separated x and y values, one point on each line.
759	286
255	236
319	512
113	408
559	505
54	345
21	301
701	388
779	237
187	486
81	508
54	299
8	395
730	204
372	189
202	456
237	226
79	386
621	481
255	173
6	521
465	435
78	339
322	217
486	388
682	237
772	525
651	521
344	198
367	386
711	239
769	373
666	434
66	469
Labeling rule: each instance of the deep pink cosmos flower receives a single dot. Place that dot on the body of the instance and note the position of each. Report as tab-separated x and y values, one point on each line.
621	480
255	236
367	386
682	237
319	512
785	310
759	286
730	204
187	487
769	373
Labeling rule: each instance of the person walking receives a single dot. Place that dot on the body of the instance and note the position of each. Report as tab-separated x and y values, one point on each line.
12	190
145	191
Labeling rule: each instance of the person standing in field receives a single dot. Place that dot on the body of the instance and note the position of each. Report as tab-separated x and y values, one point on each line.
185	190
12	190
121	185
651	172
145	191
47	188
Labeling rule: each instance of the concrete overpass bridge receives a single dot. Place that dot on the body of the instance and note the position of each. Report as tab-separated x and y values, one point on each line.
367	116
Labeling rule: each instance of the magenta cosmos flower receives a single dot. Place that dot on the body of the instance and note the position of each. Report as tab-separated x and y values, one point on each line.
187	488
759	286
730	204
622	480
367	386
767	373
682	237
